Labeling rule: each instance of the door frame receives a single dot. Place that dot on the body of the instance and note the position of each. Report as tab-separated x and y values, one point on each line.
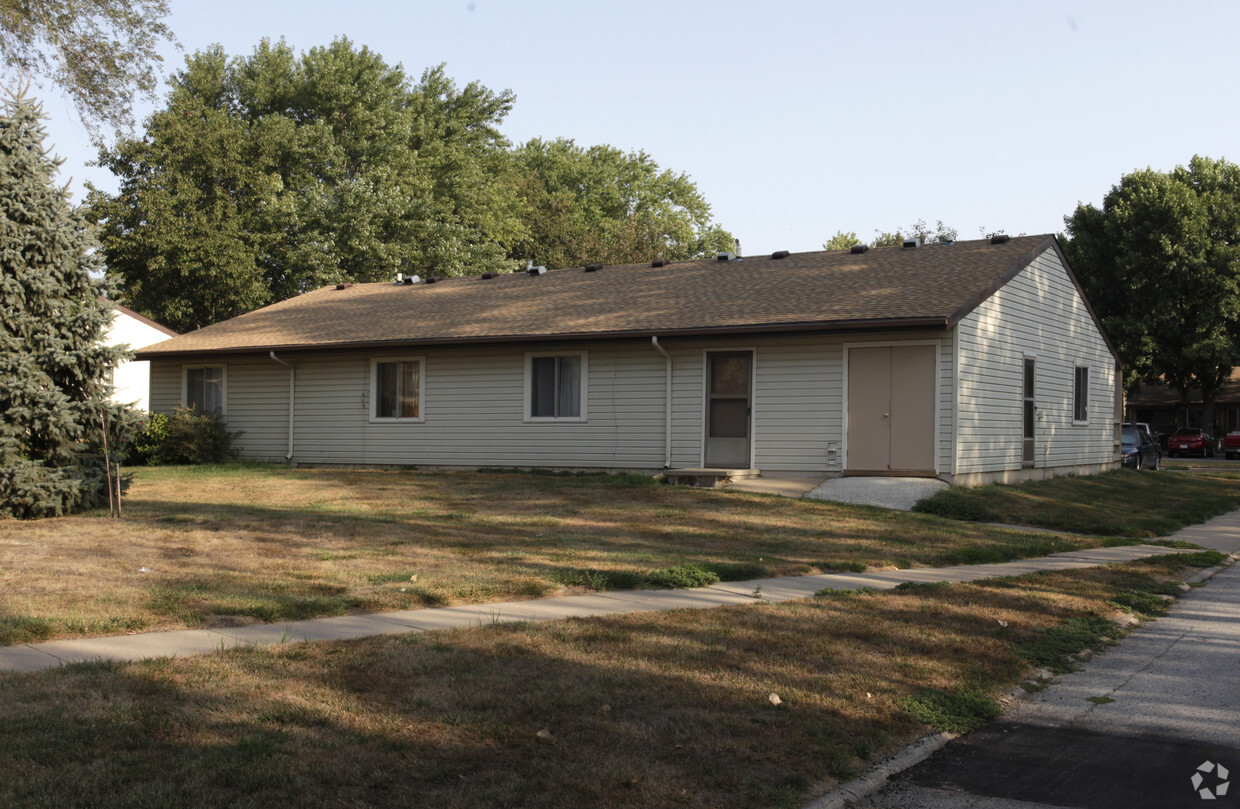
938	391
753	404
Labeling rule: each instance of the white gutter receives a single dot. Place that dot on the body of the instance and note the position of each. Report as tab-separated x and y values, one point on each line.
667	418
292	388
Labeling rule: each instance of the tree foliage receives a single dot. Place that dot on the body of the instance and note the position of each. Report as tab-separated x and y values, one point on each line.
1160	262
54	366
99	52
600	204
939	234
841	241
268	175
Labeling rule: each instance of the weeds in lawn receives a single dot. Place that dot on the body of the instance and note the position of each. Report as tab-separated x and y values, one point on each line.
683	576
956	711
1052	647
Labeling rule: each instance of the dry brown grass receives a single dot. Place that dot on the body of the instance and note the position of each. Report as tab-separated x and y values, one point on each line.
235	544
645	710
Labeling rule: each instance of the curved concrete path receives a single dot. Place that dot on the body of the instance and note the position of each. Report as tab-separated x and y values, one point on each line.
37	656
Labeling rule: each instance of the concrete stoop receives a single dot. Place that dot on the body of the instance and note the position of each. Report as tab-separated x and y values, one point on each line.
708	477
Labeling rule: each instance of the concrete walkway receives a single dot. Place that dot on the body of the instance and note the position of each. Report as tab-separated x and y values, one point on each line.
37	656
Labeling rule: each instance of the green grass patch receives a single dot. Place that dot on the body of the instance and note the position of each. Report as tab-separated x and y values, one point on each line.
24	629
956	711
1120	503
601	580
1051	648
683	577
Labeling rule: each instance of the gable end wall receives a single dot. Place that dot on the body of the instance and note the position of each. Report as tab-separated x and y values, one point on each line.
1038	313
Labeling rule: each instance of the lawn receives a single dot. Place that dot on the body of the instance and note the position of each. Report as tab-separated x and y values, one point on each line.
220	546
1121	503
641	710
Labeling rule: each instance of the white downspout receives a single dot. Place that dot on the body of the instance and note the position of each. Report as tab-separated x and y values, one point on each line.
667	418
292	388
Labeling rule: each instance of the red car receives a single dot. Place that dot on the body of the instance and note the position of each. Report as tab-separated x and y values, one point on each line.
1190	441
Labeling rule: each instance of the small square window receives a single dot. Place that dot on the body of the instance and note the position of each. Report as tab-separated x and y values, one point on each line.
396	390
204	388
555	384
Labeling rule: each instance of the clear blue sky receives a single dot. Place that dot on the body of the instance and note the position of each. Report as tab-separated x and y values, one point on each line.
798	119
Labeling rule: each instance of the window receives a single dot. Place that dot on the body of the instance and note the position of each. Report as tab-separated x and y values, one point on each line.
203	388
1080	396
1028	413
396	389
554	385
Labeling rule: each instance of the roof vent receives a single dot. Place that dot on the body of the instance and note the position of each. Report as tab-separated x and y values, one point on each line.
400	278
912	244
410	280
345	285
725	257
487	276
532	269
660	262
858	249
999	238
593	267
778	254
430	279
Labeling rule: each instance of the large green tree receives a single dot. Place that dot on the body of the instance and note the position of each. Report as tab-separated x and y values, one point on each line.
1160	262
271	174
101	53
601	204
54	366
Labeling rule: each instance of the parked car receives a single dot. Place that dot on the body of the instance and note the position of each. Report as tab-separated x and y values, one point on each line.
1231	445
1139	449
1190	441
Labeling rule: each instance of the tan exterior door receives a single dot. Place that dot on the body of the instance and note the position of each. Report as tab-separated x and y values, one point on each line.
891	392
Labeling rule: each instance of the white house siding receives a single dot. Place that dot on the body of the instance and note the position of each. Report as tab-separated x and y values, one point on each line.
473	406
131	379
1039	313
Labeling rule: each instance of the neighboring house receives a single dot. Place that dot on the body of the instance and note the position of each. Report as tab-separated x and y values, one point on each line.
974	361
131	380
1162	408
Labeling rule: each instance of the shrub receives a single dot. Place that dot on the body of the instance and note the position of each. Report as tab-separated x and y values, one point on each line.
184	437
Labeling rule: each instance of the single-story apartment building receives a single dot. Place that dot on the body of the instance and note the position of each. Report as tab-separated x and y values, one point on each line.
974	361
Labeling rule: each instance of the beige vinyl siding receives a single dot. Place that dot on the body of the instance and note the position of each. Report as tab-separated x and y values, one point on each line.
474	406
255	401
1039	313
474	412
798	404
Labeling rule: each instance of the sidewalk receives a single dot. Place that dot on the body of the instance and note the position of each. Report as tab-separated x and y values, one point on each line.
37	656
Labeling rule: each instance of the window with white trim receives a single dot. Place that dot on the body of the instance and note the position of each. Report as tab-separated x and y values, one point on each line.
202	388
396	389
555	386
1080	395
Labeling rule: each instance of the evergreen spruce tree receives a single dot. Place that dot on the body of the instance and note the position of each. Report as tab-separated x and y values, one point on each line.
55	370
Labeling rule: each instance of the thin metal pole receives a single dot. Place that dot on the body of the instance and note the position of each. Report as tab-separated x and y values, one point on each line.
107	463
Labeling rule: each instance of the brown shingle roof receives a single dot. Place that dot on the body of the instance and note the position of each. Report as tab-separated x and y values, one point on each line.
887	287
